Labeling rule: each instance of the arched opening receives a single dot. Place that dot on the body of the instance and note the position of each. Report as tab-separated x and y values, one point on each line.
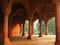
26	27
14	27
19	14
51	26
51	29
36	27
21	9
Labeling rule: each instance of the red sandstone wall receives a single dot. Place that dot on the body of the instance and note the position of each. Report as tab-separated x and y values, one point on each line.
14	29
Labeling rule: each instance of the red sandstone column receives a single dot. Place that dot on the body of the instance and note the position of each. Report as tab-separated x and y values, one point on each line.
30	30
46	25
20	28
58	23
6	39
23	33
40	33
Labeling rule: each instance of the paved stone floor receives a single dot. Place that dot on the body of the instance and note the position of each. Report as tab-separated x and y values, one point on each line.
45	40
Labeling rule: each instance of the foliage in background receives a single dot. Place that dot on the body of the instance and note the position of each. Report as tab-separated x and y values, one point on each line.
51	27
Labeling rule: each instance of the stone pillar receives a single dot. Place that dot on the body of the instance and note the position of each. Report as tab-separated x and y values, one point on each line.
6	39
23	33
46	25
30	30
6	11
57	23
40	33
20	29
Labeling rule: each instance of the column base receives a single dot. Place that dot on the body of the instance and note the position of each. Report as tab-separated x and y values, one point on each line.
23	34
29	37
40	35
7	41
46	34
57	42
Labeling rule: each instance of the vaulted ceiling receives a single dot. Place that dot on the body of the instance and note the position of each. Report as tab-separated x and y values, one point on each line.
44	9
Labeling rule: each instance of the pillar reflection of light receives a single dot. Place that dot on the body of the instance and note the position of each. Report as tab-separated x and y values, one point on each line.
16	30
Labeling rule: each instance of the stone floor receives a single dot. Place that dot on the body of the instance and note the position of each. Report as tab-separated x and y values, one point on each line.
45	40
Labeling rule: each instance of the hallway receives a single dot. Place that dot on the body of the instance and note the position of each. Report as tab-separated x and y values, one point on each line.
45	40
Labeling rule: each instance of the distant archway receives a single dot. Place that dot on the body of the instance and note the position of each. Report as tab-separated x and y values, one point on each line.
18	12
36	27
26	26
14	26
51	26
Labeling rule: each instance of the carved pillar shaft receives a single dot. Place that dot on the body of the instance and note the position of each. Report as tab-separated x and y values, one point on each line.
30	30
46	33
40	33
6	39
57	23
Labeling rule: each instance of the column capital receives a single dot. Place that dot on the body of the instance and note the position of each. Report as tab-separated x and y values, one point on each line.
40	21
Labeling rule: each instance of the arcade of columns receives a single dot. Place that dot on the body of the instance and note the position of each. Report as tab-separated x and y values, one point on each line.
6	9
